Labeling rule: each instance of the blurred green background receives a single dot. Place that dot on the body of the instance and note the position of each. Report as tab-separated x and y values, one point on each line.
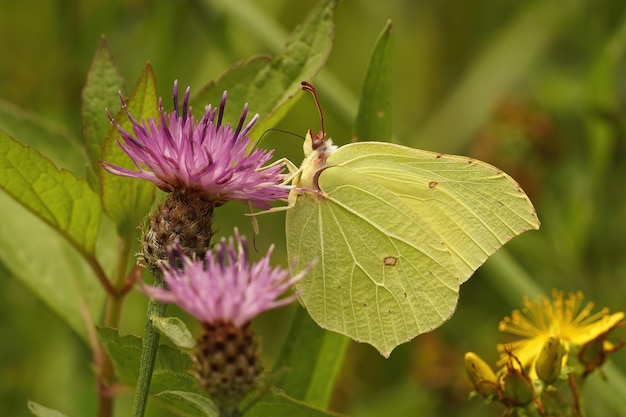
534	87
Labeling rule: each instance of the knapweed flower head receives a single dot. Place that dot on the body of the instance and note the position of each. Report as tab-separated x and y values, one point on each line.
205	158
561	318
224	286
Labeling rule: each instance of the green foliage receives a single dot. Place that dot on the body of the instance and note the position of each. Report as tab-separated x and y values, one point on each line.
127	200
502	61
187	403
172	367
103	83
43	259
175	330
269	84
373	121
312	358
41	411
57	144
280	405
57	197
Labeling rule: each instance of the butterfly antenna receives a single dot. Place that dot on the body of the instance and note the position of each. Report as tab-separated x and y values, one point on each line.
273	129
307	86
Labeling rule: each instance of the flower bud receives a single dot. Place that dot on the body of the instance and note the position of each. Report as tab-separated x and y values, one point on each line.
550	360
481	375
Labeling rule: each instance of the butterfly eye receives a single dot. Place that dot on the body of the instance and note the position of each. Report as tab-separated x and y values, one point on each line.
317	140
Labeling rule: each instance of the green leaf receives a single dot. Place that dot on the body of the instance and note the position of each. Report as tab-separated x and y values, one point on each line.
57	197
269	89
236	80
41	411
171	370
188	403
374	118
58	144
49	266
127	200
124	352
313	357
272	35
100	92
279	404
174	329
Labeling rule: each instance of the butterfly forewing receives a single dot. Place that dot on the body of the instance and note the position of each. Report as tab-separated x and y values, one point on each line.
474	207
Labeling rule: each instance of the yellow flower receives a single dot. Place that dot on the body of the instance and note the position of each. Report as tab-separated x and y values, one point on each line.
560	317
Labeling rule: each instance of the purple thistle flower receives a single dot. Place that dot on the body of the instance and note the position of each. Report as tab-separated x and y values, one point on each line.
224	286
205	158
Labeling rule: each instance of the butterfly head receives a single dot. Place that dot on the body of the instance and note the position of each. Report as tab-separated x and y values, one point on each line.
318	145
317	148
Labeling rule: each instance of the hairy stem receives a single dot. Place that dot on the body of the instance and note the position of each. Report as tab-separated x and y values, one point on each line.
150	345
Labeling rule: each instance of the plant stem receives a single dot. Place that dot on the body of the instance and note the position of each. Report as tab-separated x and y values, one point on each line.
106	372
116	293
232	411
576	411
150	345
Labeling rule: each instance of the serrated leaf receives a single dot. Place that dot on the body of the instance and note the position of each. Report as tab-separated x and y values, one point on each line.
127	200
48	266
313	357
279	404
41	411
100	92
58	144
373	121
57	197
174	329
171	369
188	403
269	90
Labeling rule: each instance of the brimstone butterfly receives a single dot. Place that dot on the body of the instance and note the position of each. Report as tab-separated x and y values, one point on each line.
394	231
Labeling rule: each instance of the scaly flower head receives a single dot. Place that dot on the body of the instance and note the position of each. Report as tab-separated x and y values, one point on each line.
561	318
204	158
224	287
